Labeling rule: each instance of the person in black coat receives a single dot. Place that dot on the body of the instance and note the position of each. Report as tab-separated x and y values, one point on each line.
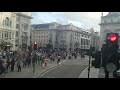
12	64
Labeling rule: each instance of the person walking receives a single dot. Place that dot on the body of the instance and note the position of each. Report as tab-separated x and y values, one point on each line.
46	61
12	64
1	66
39	58
42	59
24	60
59	57
34	57
8	63
19	62
29	59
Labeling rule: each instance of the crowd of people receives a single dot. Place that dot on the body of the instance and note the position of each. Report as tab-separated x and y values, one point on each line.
23	59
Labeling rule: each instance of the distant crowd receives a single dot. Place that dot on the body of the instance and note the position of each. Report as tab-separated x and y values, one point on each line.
20	58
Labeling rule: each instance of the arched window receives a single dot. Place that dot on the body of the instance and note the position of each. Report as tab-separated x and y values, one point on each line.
7	21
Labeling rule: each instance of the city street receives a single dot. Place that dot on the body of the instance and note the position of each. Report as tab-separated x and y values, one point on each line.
67	69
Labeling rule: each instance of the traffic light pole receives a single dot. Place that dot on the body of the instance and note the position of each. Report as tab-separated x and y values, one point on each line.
89	62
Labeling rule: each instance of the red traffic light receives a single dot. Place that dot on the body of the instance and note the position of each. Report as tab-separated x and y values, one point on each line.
113	37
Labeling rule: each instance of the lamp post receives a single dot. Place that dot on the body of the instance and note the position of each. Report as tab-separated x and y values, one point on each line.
24	41
2	42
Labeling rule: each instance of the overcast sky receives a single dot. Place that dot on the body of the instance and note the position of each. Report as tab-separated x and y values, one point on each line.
84	20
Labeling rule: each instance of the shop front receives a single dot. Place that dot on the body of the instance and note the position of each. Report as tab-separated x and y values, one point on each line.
6	46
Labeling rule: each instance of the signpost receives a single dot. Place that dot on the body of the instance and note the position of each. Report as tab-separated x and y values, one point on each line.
89	61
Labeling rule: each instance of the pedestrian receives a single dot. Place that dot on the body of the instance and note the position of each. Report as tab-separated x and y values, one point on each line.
53	58
39	58
19	63
1	66
29	59
12	64
8	63
59	57
34	57
24	60
46	61
42	59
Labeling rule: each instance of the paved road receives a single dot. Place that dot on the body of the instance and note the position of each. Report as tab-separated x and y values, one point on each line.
68	69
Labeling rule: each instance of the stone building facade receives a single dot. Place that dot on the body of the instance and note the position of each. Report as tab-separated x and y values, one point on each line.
109	23
10	29
67	37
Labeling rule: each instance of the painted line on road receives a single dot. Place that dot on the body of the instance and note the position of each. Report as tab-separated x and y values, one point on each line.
83	71
49	69
52	68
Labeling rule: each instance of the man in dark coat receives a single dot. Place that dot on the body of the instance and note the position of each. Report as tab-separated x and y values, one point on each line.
12	64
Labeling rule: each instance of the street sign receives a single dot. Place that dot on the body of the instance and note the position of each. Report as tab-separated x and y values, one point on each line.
111	67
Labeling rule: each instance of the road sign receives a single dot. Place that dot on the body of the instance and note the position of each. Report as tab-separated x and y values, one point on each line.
111	67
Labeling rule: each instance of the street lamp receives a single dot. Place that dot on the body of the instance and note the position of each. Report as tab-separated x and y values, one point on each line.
24	41
2	42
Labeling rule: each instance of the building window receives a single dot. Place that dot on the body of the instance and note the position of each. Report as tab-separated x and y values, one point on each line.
3	23
26	27
22	26
0	34
12	35
7	21
16	33
10	23
5	34
44	36
18	19
41	36
17	26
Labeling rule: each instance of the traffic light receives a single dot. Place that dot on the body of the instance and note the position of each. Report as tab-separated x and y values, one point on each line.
35	46
110	54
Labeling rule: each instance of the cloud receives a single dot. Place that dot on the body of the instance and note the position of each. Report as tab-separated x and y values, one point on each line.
84	20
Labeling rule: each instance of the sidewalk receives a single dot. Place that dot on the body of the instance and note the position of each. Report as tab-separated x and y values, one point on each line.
94	73
27	72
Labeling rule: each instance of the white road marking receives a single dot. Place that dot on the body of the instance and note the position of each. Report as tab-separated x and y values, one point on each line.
82	72
51	68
